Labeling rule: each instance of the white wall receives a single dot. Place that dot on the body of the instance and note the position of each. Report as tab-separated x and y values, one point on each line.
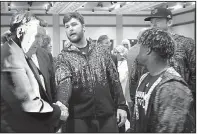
187	30
131	32
184	17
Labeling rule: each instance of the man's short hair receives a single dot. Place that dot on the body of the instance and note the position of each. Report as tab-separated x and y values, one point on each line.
70	15
102	38
22	17
159	41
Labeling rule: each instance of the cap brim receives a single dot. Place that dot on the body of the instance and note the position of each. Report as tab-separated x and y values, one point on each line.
149	18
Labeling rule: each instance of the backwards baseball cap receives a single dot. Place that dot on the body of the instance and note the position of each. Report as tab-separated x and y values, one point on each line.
159	12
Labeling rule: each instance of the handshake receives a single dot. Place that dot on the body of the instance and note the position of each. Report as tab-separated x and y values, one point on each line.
64	111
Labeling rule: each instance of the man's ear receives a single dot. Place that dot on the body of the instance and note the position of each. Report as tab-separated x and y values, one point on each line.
148	51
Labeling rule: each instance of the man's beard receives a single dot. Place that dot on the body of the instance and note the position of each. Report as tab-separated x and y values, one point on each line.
77	39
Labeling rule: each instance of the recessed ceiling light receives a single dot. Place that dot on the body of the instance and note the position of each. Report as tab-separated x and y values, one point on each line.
45	6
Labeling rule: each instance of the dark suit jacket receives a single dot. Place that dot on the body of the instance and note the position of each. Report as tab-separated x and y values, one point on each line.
25	105
115	60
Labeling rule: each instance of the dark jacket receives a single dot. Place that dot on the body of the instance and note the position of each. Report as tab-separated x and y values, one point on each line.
22	108
95	85
170	107
115	60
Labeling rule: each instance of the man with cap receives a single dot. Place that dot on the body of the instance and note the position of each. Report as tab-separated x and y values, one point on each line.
183	60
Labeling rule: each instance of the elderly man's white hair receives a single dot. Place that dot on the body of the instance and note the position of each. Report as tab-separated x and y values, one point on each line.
122	50
126	41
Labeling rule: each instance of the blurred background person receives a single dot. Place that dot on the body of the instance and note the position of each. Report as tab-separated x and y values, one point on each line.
104	40
47	43
133	51
126	43
121	53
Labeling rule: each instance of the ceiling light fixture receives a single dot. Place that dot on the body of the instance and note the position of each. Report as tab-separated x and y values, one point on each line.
184	5
51	4
9	3
29	3
92	10
100	4
9	9
28	9
113	2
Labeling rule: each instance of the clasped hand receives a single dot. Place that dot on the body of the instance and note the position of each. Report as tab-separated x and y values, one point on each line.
121	116
64	111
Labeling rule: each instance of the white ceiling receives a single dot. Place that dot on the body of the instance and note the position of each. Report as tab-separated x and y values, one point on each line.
94	7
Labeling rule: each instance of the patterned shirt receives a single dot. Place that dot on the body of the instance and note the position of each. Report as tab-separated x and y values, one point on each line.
89	82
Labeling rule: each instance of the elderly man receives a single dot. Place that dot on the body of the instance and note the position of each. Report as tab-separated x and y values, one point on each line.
163	100
26	70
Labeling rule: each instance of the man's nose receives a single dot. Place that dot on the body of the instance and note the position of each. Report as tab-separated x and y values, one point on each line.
71	28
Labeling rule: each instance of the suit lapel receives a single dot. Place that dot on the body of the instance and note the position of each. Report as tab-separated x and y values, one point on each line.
41	60
36	74
43	68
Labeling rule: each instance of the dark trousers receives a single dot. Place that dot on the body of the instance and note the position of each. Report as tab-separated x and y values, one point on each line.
91	125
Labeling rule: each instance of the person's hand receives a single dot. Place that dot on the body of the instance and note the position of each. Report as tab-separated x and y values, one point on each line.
121	115
64	111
